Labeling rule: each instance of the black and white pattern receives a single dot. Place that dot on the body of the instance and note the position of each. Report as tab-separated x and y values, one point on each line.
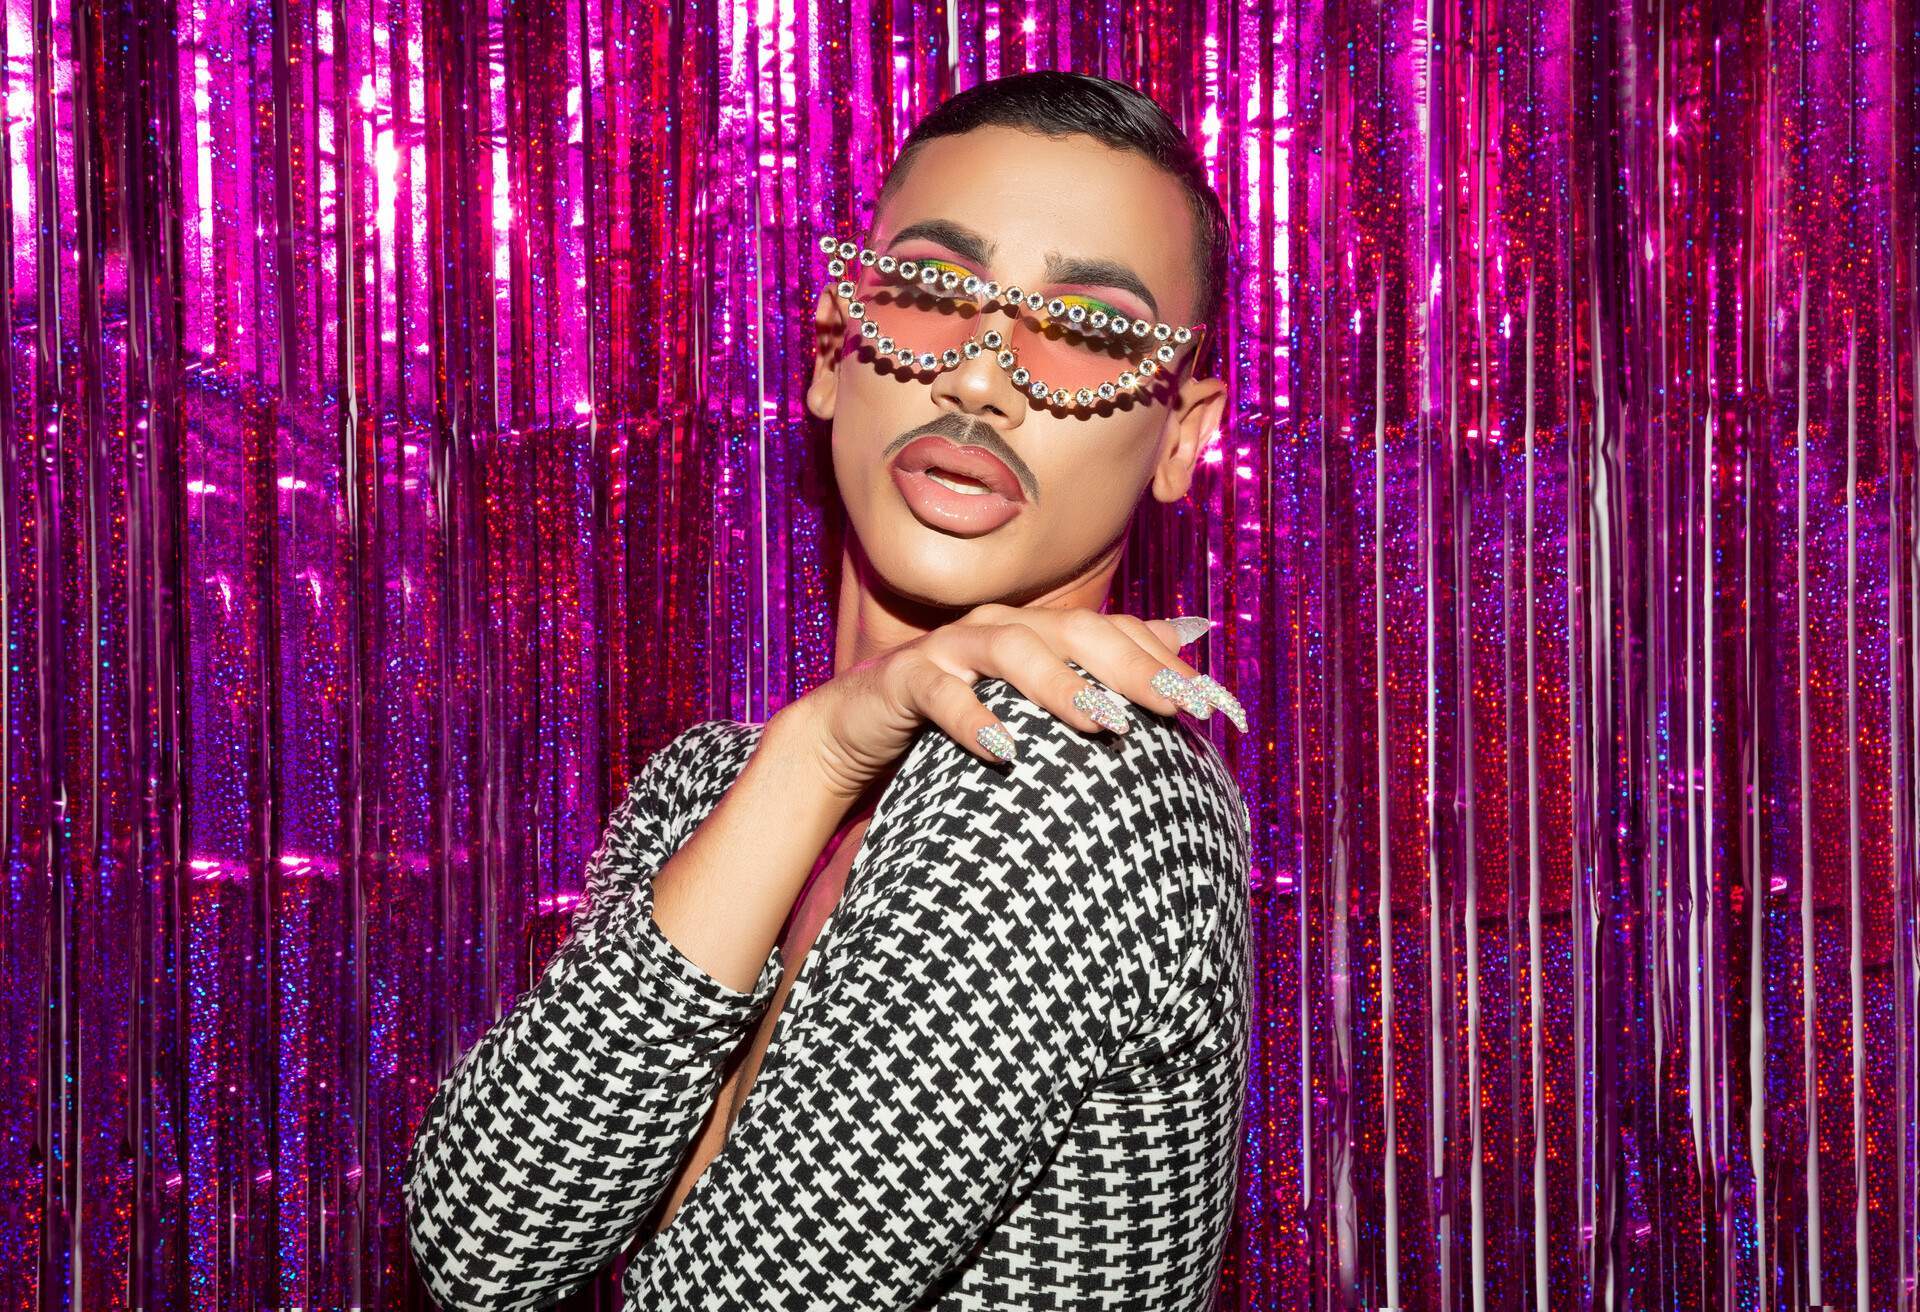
1009	1074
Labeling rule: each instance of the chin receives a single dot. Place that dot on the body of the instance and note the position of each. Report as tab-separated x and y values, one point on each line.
934	568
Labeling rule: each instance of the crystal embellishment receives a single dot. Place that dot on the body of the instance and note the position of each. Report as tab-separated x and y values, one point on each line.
1175	686
1103	708
1214	692
840	255
996	740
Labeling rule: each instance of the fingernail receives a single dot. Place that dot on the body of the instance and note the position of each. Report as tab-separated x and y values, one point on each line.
1170	682
1190	627
1216	693
1104	707
996	740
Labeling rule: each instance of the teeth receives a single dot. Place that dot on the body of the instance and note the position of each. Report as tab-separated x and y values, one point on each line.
970	489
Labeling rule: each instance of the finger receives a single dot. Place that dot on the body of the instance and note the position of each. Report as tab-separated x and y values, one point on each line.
1130	658
989	613
1209	689
1158	639
1020	655
1169	634
947	700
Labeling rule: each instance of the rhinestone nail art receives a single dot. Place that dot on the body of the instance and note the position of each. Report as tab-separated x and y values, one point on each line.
1214	692
1104	707
1190	627
996	740
1170	682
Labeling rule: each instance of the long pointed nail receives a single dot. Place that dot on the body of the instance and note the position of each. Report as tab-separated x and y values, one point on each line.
996	740
1169	682
1214	692
1190	627
1104	708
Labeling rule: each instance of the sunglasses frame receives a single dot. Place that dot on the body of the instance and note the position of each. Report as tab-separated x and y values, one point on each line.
1164	339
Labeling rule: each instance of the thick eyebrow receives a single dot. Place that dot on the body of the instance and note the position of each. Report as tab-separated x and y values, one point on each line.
970	245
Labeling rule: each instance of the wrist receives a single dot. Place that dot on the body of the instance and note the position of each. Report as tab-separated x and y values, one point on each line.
795	743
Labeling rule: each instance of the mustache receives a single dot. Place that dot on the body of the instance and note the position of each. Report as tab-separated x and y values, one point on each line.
965	430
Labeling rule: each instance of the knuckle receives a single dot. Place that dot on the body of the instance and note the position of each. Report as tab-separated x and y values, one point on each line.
899	663
1083	622
906	652
1007	641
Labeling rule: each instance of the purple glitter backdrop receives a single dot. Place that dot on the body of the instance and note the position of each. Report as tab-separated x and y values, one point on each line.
402	438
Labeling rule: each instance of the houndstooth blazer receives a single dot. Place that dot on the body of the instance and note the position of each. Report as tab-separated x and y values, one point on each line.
1010	1073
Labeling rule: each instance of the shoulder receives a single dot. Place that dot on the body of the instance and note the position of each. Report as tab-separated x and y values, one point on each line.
1178	827
1118	860
1160	791
1125	830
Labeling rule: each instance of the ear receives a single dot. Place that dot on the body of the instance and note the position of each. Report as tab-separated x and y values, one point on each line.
1192	420
829	333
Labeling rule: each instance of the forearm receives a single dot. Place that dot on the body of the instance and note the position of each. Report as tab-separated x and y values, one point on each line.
545	1147
724	896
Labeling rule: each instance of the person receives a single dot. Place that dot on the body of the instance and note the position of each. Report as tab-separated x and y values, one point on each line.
931	991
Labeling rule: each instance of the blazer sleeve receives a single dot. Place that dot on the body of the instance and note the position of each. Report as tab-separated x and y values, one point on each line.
989	965
553	1137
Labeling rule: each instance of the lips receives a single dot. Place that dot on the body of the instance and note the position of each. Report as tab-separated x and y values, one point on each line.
937	453
956	490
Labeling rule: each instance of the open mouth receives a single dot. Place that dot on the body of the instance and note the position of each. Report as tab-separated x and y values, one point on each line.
960	483
960	490
966	471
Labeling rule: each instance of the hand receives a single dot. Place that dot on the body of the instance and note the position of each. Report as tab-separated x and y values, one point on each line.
863	719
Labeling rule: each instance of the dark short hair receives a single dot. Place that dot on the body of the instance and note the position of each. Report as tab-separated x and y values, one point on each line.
1059	103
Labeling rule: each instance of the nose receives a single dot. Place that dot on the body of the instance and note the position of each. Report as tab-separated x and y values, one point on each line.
980	386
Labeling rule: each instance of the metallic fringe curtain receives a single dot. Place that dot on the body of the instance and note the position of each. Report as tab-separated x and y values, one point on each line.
403	437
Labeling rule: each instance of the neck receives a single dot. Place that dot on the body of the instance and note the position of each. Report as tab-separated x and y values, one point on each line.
872	618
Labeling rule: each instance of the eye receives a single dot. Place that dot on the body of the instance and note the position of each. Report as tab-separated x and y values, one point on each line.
945	266
924	286
1092	305
922	263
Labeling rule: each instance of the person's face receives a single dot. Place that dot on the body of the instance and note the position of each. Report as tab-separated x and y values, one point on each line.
1021	196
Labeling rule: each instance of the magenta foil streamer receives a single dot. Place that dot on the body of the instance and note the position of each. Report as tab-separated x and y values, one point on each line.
402	436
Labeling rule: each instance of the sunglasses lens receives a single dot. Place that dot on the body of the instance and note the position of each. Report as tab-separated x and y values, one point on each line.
923	324
921	319
1072	357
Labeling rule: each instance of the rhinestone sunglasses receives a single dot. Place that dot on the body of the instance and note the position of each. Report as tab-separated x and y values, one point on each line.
1072	350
